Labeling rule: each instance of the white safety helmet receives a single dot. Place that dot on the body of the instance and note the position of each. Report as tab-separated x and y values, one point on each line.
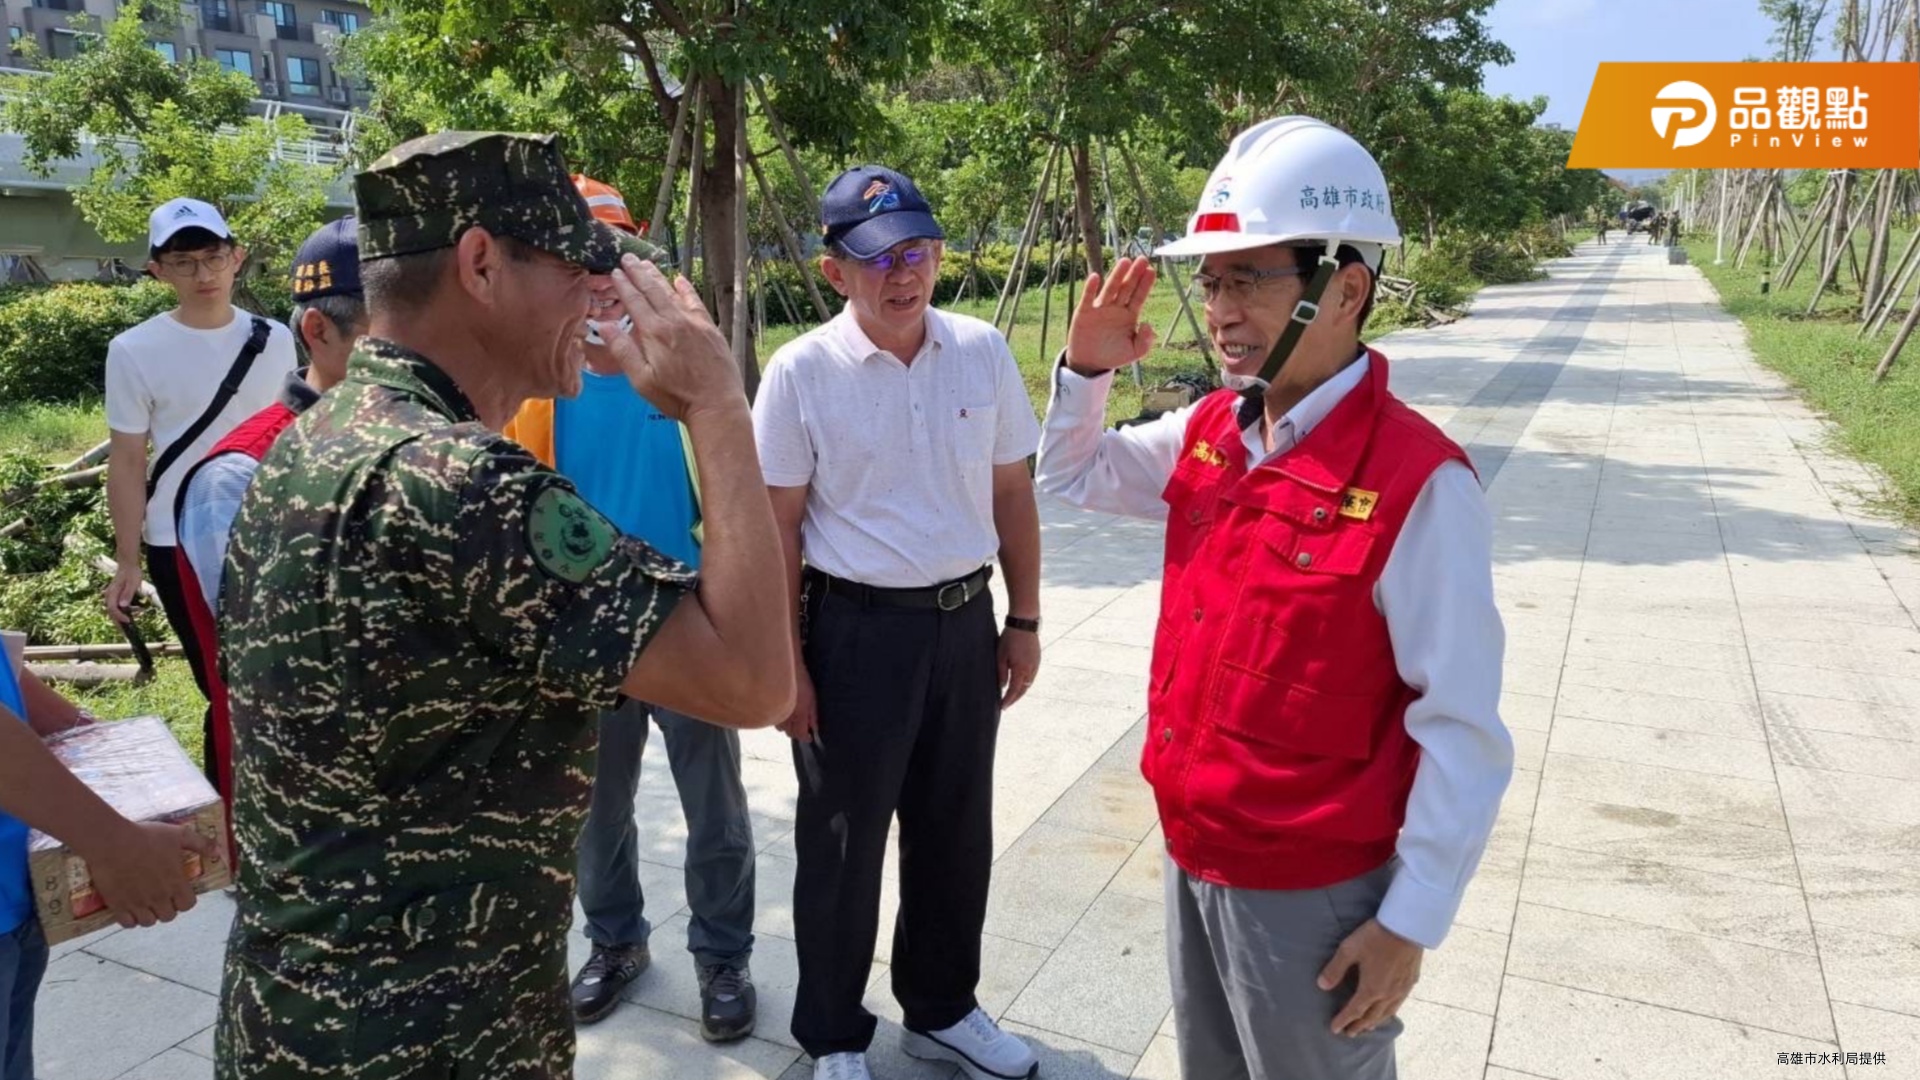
1292	179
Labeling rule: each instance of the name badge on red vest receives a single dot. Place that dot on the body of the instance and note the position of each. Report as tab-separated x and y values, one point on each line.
1358	503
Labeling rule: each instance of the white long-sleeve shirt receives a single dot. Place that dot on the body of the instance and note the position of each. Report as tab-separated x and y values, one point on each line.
1436	593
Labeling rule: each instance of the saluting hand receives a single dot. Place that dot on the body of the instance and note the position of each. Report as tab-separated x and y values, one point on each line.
674	355
1107	330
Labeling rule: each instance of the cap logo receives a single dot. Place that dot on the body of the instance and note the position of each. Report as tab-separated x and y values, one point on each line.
312	277
1221	192
880	197
184	210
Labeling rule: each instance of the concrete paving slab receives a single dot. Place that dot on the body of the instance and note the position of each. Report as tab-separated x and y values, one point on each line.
1658	836
191	951
1652	710
1738	909
1160	1062
1845	717
1877	1032
638	1043
1693	973
1850	794
1893	759
1063	1057
1442	1042
171	1065
1872	969
1106	983
1048	879
1465	972
1692	794
1568	1034
149	1015
201	1044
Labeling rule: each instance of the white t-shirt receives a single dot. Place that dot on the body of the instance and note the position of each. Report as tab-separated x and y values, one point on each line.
160	377
899	457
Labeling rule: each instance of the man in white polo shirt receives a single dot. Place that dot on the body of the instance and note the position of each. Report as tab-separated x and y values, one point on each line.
895	441
181	381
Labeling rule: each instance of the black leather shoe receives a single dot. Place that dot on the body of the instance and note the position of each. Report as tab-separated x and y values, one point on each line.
596	990
727	1002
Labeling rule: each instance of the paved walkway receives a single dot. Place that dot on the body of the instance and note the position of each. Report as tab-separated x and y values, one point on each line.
1710	855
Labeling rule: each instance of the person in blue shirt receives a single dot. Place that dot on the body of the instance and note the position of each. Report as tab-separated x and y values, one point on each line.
633	464
137	868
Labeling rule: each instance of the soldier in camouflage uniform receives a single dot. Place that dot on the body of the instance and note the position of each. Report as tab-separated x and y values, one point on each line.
422	623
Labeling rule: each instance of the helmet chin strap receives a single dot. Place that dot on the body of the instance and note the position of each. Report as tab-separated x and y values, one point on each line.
1307	309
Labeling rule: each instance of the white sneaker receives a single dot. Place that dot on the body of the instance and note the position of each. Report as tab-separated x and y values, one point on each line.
841	1067
978	1046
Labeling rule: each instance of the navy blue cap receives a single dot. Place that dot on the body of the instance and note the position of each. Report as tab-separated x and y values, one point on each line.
870	208
328	263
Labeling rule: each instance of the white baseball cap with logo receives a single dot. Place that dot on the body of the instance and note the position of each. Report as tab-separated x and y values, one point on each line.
175	214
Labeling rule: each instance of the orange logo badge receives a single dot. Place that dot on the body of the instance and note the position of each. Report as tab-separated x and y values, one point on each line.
1751	116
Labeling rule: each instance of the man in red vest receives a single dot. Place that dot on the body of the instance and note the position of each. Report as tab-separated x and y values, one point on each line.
329	315
1323	733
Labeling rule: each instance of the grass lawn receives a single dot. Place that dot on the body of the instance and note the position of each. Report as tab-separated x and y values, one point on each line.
1825	356
53	432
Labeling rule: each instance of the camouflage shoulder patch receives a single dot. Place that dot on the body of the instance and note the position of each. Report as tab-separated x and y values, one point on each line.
568	538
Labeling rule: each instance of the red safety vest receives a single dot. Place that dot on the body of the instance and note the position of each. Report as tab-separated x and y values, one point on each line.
253	438
1277	747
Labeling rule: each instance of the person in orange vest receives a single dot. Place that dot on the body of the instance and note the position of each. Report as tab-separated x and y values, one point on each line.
633	464
1324	740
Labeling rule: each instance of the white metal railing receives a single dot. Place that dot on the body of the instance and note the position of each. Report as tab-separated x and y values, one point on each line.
334	128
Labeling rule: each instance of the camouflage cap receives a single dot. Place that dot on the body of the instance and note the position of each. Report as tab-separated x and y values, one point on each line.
423	194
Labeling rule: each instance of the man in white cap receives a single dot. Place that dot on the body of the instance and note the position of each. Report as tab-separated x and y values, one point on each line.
1323	733
180	382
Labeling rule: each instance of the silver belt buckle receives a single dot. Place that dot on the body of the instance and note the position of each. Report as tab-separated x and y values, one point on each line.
958	589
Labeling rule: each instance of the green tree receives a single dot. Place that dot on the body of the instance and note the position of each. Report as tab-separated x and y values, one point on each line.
610	75
1796	27
1091	69
158	131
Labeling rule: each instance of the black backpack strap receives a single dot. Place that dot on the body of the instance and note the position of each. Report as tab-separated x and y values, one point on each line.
229	386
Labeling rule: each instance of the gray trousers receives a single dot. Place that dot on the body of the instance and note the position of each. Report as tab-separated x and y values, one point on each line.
1243	963
719	868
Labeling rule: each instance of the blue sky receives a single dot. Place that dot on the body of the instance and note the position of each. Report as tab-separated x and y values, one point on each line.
1559	44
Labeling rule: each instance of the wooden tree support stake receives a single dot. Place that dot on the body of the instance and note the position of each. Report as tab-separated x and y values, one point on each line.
789	240
663	201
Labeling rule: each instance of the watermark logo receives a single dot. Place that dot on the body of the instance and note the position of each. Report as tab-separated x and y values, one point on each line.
1700	109
1751	116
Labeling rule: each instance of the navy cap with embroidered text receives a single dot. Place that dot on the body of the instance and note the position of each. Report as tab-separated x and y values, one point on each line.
870	208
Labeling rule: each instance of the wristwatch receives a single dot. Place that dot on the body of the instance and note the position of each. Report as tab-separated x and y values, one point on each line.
1015	622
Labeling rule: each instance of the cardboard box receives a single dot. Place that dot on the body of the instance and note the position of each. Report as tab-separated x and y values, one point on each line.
140	771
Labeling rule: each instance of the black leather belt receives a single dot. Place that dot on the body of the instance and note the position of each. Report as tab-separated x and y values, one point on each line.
950	596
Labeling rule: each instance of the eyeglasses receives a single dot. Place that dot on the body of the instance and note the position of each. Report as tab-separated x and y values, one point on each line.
914	258
1241	285
191	267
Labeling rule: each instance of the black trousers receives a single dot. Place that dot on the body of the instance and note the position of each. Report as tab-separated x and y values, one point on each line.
163	569
909	711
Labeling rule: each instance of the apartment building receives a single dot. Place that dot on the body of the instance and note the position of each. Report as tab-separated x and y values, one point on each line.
284	46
